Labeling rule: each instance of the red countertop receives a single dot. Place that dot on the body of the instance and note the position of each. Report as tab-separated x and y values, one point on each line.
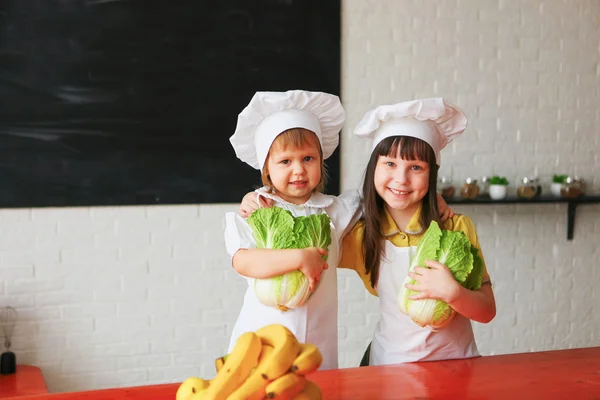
28	380
566	374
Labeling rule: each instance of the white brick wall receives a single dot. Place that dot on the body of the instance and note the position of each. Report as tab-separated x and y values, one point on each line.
526	73
121	296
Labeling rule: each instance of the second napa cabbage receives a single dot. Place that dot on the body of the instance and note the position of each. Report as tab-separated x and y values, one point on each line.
454	250
276	228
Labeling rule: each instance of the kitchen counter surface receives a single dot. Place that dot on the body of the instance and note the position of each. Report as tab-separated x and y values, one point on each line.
566	374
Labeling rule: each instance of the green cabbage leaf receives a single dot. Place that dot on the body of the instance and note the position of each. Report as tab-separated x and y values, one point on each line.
276	228
454	250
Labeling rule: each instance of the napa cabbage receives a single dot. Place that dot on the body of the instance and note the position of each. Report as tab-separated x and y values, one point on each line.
455	251
276	228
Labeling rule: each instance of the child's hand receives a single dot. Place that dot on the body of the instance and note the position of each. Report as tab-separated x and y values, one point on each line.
436	282
312	265
445	211
252	202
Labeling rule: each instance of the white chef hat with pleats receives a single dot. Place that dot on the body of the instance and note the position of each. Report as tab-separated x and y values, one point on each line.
270	113
432	120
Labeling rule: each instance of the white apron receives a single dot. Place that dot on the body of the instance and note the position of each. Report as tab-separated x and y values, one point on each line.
315	322
397	338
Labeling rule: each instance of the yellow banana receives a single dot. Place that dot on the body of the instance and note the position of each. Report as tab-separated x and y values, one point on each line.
286	387
264	352
254	387
201	395
237	367
309	360
311	391
190	387
285	350
219	362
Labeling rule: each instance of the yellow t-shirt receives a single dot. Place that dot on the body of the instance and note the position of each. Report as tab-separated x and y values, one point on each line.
352	254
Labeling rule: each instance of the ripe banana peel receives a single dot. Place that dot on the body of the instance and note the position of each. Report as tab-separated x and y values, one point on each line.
236	368
254	387
267	364
190	387
309	360
201	395
265	351
311	391
286	387
285	350
219	362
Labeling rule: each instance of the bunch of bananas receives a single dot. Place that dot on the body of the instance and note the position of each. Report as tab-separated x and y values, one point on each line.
267	364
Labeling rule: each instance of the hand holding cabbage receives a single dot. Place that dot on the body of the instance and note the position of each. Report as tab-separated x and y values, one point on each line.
276	228
462	260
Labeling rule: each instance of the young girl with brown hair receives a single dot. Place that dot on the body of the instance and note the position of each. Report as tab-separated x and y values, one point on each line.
287	136
399	195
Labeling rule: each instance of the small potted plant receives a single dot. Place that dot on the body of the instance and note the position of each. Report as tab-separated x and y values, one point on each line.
498	186
558	181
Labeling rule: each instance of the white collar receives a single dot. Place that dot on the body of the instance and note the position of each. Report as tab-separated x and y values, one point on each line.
317	200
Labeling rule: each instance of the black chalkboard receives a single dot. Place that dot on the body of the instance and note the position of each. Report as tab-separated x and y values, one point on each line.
122	102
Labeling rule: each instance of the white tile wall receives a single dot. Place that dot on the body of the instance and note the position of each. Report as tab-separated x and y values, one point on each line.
121	296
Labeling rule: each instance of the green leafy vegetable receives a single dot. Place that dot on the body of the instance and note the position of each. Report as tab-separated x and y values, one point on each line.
273	229
276	228
455	251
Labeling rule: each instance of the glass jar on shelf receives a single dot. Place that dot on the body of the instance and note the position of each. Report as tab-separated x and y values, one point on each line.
470	190
485	187
571	188
527	189
580	182
535	181
446	188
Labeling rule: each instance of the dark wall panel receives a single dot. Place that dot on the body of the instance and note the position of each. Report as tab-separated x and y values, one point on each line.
121	102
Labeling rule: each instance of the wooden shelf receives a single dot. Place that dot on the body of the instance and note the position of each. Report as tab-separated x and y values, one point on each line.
571	204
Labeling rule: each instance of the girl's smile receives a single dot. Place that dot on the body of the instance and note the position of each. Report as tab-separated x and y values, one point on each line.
299	184
399	193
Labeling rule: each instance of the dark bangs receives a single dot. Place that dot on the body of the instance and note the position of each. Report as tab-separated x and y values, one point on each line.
410	149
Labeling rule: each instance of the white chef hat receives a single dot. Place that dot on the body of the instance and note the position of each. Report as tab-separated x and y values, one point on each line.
432	120
270	113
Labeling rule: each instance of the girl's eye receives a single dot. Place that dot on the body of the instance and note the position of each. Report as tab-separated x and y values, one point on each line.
389	163
308	158
285	162
416	167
